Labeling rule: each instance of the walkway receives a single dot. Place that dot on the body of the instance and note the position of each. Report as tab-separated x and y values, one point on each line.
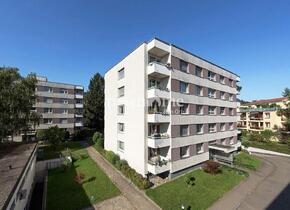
266	152
131	197
268	188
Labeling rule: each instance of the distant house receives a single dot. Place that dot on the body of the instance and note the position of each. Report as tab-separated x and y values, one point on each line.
17	176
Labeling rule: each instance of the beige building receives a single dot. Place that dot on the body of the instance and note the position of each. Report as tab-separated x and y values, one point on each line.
166	109
262	114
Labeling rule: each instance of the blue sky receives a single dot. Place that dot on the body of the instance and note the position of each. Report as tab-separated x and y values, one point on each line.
70	40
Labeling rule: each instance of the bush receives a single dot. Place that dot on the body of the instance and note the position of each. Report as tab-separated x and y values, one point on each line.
98	139
245	143
211	167
84	134
267	135
189	180
112	157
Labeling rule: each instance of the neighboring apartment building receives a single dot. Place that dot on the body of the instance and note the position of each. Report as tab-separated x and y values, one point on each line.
17	176
260	115
59	104
165	108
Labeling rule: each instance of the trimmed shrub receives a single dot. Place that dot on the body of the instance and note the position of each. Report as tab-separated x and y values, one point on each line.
112	157
211	167
98	139
189	180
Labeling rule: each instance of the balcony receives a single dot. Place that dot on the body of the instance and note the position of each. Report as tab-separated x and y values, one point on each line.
79	106
158	70
158	165
79	115
79	96
78	124
158	140
158	92
160	116
78	87
256	128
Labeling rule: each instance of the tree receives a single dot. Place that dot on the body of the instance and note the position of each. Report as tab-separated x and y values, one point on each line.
267	135
94	104
16	101
53	135
286	92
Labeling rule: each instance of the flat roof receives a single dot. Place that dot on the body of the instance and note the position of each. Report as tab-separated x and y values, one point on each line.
146	42
266	101
13	161
39	79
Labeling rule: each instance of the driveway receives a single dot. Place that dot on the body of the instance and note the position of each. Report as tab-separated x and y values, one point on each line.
268	188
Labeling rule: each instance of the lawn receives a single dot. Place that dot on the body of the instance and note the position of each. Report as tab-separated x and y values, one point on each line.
51	153
207	189
66	194
273	146
247	161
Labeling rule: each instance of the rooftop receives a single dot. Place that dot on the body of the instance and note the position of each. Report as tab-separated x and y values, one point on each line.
13	161
267	101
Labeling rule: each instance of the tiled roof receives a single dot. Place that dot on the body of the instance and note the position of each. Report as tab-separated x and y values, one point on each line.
267	101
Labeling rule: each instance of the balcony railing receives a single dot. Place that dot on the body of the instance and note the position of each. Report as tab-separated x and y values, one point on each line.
158	111
158	87
159	136
256	127
157	160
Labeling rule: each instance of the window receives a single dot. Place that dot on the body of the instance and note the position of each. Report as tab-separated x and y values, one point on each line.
183	66
267	125
223	95
231	82
63	91
50	90
267	115
183	108
64	101
222	126
199	109
63	121
183	87
212	127
211	110
49	100
47	121
121	91
64	111
121	73
154	59
199	128
48	110
222	111
198	71
231	97
184	152
198	90
121	127
223	141
222	79
211	93
231	140
154	83
121	146
199	148
211	76
231	126
121	109
184	130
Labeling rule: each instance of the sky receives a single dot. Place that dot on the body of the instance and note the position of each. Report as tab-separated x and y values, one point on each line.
71	40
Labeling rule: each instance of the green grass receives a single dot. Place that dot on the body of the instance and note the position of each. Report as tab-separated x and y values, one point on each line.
207	189
273	146
65	194
247	161
50	152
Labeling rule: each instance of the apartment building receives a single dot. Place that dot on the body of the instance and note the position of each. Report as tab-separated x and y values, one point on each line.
166	109
59	104
260	115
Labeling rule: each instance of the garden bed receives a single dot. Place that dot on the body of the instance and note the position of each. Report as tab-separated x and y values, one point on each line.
247	161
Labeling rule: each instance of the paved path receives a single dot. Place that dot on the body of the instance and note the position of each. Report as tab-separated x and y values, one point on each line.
131	198
266	152
268	188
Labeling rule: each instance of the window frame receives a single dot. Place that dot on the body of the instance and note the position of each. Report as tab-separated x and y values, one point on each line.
210	111
202	109
180	87
181	130
121	76
201	130
210	95
201	150
121	125
200	88
184	152
182	107
209	128
181	67
122	106
119	143
198	69
120	94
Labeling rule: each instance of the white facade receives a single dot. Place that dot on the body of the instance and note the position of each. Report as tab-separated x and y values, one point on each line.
146	85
